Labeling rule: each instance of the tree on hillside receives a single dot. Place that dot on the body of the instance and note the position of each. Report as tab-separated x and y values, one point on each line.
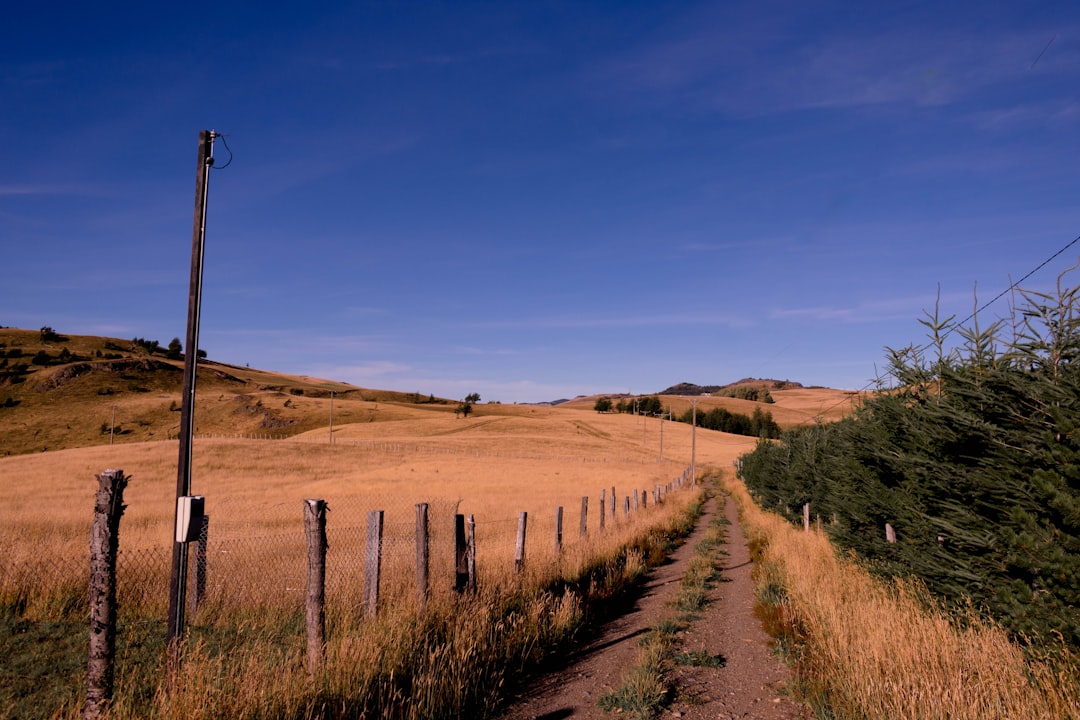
175	349
649	405
48	334
602	405
465	406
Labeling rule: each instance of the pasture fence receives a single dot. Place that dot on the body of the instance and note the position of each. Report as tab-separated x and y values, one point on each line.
345	569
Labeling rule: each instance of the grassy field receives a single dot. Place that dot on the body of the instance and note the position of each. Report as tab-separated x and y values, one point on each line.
109	390
495	464
865	648
71	407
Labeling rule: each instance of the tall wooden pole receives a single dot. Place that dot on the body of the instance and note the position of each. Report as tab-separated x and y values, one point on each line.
178	580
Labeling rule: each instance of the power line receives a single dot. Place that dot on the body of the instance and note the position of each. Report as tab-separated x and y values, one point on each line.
1009	289
984	306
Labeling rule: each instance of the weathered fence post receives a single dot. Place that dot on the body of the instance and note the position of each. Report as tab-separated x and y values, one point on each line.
200	565
558	530
315	605
626	507
461	569
644	498
423	558
806	517
635	499
603	508
584	515
519	551
470	552
612	503
104	544
373	562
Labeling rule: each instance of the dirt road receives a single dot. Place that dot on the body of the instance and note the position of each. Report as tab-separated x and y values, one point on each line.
748	685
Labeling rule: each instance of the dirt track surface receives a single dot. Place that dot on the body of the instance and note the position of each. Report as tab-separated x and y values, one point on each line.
749	685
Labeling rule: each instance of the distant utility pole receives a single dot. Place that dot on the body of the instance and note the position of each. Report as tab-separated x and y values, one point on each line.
693	441
178	580
661	436
331	417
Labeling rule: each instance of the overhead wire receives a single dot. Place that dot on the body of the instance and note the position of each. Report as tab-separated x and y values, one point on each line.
229	162
955	326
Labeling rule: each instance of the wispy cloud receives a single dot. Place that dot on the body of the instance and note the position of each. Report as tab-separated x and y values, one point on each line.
899	308
766	62
618	321
30	189
1029	116
361	373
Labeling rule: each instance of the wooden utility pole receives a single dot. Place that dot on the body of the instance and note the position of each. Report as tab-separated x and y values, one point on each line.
178	580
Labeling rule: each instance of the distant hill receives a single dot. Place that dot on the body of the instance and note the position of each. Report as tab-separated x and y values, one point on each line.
686	388
60	392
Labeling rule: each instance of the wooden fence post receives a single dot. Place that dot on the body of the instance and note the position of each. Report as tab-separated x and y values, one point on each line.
603	508
584	515
806	517
423	558
636	499
644	498
626	507
104	544
200	565
519	551
315	605
558	531
470	553
373	562
612	503
461	569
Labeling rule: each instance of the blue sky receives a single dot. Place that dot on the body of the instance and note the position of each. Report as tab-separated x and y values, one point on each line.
537	200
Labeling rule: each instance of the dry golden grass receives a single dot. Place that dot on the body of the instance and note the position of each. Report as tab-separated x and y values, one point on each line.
798	406
491	466
873	650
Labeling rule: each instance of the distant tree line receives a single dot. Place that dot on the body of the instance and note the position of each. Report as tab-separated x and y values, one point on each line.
755	393
759	424
971	455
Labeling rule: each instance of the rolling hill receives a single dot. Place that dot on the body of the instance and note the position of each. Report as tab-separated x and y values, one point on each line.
59	392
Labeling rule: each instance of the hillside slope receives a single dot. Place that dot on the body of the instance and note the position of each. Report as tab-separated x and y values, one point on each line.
78	391
59	392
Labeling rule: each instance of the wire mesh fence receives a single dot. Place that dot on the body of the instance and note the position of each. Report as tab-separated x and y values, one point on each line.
266	572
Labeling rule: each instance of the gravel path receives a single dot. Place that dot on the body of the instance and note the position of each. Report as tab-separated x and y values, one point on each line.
747	686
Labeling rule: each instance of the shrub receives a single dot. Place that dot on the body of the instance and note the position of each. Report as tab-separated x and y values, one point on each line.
973	458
